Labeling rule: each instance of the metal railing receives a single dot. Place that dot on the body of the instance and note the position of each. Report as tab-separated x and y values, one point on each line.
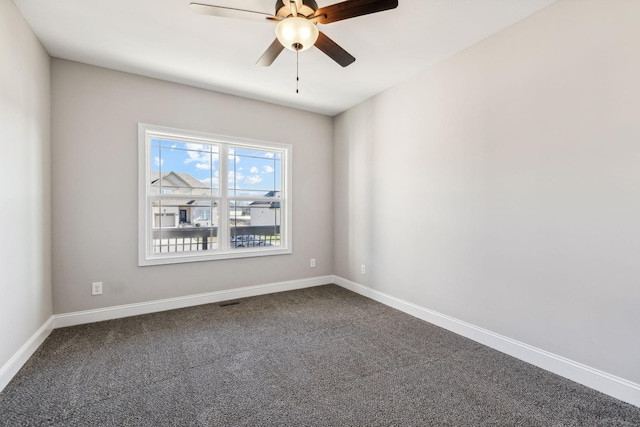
193	239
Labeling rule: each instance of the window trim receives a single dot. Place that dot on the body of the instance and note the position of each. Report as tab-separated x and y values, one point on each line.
146	132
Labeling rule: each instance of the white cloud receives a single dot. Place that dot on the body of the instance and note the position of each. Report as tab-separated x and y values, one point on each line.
269	155
158	161
239	176
253	170
253	179
198	153
267	169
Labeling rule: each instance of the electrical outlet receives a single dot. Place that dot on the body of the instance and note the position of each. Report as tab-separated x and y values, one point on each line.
363	269
96	288
312	263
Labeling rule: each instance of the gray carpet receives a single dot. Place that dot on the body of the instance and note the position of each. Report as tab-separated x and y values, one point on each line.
315	357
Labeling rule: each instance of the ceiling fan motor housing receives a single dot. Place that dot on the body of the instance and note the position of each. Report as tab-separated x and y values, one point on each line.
308	8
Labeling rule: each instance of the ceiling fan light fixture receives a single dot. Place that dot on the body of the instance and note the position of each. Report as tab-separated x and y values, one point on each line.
296	33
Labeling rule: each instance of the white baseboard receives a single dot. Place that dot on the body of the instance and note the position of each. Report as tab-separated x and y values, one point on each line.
108	313
11	368
611	385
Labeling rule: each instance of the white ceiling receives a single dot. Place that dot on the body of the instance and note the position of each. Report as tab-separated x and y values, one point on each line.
164	39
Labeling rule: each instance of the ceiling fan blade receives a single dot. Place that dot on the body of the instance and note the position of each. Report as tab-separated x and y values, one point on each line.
229	12
353	8
270	54
333	51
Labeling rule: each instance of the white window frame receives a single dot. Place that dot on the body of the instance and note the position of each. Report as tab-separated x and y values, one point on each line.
147	132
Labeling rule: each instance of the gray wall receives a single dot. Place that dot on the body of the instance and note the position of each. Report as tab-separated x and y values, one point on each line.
25	237
502	187
95	114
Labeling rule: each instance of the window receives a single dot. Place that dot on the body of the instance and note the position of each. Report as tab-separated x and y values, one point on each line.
205	197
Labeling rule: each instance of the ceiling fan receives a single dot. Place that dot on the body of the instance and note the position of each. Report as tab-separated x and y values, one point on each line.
297	24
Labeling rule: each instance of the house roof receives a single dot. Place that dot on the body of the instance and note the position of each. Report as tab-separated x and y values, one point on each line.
177	179
263	203
182	183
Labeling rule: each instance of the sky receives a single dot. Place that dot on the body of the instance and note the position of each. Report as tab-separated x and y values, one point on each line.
250	172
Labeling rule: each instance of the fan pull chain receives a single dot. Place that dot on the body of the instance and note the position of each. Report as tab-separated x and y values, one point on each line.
297	70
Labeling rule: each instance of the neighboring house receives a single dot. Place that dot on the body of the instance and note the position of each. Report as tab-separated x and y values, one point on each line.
180	212
265	213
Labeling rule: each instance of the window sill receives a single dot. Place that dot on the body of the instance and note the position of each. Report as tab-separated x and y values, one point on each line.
175	258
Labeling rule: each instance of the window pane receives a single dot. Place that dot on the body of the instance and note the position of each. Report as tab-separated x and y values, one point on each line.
182	225
184	168
254	172
254	223
186	198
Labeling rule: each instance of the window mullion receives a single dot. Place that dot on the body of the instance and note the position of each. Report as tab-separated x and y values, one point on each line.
223	229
